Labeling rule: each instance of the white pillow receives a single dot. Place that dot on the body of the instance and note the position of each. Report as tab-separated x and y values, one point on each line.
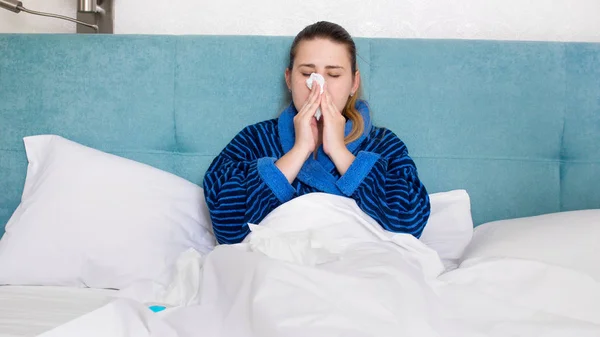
89	218
450	226
565	239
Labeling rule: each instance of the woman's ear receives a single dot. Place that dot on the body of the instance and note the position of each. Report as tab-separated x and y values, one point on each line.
356	83
288	79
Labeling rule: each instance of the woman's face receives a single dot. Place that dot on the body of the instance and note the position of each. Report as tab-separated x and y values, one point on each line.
332	61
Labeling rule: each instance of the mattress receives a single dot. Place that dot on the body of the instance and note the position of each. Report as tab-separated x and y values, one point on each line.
29	311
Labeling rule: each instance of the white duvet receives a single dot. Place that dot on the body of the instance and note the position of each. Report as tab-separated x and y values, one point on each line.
319	266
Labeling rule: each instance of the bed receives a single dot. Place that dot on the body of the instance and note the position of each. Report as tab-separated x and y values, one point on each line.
104	141
30	311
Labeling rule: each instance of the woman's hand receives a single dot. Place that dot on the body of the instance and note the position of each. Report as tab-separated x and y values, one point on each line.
307	137
305	124
334	125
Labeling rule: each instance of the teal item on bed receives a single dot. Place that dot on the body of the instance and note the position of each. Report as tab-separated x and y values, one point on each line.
157	308
516	124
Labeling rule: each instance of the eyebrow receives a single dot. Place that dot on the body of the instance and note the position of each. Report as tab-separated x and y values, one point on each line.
313	66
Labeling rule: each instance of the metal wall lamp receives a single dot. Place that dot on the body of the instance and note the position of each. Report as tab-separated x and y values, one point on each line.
93	16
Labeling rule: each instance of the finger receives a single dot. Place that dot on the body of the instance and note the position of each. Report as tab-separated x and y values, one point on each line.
327	105
324	108
313	104
309	99
333	107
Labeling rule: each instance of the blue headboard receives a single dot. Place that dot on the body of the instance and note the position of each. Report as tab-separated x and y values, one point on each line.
516	124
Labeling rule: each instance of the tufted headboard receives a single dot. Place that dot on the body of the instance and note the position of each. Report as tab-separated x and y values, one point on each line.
516	124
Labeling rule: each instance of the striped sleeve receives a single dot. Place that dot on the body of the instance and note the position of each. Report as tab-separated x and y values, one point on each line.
386	186
242	185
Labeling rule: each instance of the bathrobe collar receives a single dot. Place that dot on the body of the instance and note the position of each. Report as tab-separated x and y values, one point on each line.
318	172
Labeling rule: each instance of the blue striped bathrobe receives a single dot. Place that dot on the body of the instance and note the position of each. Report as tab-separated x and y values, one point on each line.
242	185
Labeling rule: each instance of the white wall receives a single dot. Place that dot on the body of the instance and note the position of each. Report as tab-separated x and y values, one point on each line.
556	20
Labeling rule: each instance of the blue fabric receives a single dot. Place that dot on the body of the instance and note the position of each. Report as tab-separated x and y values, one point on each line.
580	147
357	172
275	179
514	123
383	179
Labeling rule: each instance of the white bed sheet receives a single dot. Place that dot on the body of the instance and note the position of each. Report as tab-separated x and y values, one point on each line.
29	311
520	298
234	292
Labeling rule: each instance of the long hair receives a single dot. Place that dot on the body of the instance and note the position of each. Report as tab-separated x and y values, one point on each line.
335	33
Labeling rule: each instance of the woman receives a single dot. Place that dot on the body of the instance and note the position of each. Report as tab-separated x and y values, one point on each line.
271	162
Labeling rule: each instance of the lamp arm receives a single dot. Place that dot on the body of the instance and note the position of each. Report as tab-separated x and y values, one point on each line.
94	27
17	6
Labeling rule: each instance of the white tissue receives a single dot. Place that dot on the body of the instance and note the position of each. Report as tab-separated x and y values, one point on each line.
321	81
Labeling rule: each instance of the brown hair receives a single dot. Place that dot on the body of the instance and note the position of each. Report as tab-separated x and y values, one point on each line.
335	33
